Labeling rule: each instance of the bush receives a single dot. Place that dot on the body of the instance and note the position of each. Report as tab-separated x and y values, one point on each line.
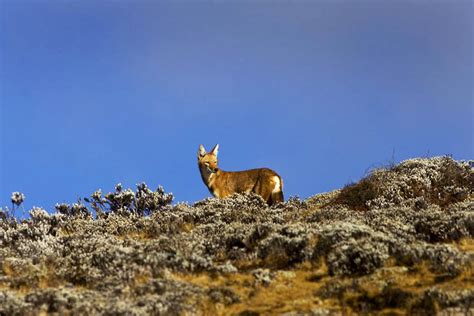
142	202
440	181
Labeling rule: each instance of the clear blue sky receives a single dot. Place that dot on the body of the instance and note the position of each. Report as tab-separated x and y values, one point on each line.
99	92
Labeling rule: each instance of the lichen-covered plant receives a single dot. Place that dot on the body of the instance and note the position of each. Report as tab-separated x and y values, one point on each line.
408	252
415	183
17	198
142	202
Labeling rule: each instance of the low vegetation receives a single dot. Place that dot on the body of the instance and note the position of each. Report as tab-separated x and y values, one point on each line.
399	241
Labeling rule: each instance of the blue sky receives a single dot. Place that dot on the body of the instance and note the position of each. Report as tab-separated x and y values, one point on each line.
93	93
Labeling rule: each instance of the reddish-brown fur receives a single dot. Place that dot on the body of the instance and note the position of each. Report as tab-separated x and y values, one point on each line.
221	184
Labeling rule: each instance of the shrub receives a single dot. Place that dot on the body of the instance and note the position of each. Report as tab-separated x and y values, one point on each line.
142	202
440	180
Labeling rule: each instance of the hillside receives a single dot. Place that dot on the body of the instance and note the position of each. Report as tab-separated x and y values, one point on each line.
400	240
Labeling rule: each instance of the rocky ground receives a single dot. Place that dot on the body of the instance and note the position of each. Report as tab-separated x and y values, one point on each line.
398	241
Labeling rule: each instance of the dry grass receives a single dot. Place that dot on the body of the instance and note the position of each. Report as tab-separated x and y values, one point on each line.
356	195
466	244
392	290
288	291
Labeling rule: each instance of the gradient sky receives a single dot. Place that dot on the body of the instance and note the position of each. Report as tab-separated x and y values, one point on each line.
99	92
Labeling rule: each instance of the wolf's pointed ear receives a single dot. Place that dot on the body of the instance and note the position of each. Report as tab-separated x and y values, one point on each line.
215	150
201	151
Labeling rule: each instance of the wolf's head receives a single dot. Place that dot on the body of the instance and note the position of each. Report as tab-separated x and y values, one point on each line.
208	161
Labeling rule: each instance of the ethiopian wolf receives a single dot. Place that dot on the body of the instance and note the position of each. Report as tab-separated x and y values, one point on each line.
264	182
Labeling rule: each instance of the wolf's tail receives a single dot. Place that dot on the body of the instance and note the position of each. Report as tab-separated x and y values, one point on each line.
277	197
